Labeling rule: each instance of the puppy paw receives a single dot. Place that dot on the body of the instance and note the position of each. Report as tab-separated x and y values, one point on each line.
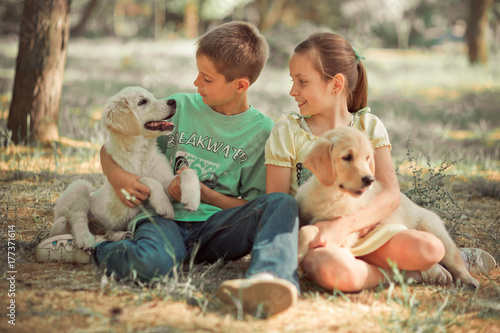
167	213
190	189
164	209
191	202
467	281
85	241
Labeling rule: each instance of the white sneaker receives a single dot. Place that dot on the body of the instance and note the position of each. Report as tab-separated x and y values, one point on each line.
262	292
61	248
477	261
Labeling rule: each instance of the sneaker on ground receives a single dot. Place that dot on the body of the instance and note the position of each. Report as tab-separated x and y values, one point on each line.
262	293
61	248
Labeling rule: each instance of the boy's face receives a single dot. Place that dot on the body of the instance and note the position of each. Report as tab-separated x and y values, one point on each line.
212	85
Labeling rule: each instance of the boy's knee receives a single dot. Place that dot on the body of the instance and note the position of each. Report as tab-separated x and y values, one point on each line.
144	261
152	264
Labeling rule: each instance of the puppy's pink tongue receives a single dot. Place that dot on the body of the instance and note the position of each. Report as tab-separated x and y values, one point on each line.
161	125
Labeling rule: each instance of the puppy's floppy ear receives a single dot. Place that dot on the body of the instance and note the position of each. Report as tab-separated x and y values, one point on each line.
320	163
119	117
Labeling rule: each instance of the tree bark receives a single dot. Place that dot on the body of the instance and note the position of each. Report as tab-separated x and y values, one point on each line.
41	58
477	28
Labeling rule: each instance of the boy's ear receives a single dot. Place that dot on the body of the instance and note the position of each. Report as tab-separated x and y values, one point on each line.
242	84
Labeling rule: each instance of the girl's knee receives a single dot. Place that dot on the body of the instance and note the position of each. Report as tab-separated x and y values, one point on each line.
432	248
421	246
333	271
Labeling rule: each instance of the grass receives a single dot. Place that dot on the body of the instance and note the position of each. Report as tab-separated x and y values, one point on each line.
443	119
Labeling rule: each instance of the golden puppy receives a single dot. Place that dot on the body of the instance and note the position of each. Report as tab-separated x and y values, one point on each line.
343	182
134	118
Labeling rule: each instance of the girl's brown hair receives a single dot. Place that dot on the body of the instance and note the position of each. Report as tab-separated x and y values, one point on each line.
332	54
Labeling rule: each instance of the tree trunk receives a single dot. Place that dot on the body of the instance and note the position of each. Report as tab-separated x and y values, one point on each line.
191	20
477	28
270	13
43	41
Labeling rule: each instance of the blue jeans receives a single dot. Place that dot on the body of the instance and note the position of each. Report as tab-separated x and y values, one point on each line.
266	227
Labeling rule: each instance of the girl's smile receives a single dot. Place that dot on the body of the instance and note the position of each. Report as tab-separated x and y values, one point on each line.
309	87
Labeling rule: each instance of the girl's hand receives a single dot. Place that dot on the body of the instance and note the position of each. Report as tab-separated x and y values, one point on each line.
331	233
334	232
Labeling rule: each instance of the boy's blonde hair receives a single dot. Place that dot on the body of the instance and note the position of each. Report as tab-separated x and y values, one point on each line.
237	50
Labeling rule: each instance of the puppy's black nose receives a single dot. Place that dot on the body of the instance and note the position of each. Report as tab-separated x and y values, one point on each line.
368	180
171	102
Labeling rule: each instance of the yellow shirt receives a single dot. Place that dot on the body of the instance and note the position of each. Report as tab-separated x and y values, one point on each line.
289	142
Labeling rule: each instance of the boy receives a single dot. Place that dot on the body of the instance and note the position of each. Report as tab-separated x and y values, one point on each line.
218	134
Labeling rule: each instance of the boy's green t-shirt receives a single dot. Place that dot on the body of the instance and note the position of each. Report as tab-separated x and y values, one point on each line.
227	152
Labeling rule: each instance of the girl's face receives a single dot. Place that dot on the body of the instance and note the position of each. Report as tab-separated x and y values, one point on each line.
309	89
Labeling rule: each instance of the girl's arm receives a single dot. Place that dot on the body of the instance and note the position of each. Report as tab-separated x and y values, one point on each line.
278	179
121	179
386	202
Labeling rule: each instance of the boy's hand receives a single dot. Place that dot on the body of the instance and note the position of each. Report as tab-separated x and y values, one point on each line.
174	188
127	182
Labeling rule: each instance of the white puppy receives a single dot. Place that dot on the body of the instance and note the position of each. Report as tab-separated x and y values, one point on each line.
134	119
343	182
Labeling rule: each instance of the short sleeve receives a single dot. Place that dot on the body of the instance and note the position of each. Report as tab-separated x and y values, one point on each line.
280	146
374	128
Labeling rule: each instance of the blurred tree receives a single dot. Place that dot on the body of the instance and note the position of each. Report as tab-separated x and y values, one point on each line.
379	17
43	41
79	29
477	27
191	19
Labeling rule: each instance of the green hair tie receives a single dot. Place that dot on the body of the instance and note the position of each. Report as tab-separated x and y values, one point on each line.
359	57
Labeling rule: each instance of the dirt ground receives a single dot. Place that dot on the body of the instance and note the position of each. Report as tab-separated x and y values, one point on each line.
59	297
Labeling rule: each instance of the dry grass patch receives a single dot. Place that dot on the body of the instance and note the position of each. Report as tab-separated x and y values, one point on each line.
78	298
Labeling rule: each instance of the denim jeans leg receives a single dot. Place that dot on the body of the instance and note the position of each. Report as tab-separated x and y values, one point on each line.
156	248
266	227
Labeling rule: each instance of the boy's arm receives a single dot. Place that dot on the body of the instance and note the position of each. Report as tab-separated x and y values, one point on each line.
121	179
220	200
278	179
208	195
386	202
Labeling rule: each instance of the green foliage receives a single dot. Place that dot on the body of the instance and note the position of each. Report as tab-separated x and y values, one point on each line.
283	39
428	190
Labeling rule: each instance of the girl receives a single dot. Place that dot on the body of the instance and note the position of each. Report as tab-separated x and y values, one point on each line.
330	87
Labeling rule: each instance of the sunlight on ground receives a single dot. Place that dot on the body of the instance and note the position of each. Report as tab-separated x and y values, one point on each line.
37	159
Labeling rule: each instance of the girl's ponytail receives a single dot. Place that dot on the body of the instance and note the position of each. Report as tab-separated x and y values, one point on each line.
359	96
